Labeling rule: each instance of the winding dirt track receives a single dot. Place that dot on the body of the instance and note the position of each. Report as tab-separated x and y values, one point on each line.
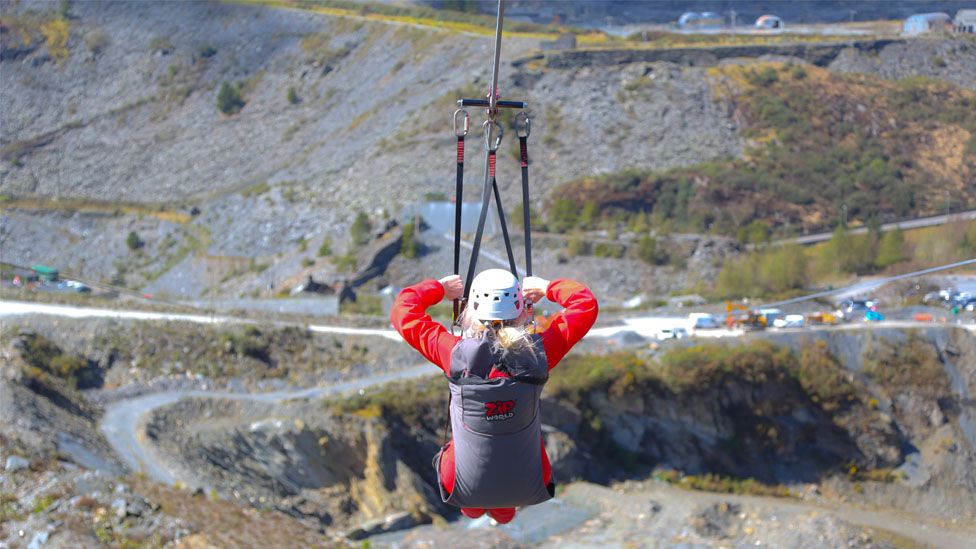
122	423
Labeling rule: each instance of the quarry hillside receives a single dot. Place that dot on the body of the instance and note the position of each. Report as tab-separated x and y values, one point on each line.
852	437
112	126
185	156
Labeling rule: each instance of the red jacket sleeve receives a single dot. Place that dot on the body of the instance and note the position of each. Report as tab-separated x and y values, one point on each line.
570	325
409	317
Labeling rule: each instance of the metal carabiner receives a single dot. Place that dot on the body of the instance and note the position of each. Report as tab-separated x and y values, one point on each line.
461	128
523	125
492	140
492	109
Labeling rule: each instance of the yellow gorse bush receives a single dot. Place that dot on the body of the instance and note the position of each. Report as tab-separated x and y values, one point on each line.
56	32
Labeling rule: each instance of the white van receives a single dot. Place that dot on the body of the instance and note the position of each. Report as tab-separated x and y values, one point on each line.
702	321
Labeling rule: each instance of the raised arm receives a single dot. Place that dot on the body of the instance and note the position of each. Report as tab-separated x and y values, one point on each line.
409	317
570	325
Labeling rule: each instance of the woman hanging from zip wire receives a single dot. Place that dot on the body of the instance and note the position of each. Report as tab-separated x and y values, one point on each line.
496	460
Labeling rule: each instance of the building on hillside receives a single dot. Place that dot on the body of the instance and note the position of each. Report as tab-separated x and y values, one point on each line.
769	22
693	21
688	19
711	20
45	273
921	23
965	21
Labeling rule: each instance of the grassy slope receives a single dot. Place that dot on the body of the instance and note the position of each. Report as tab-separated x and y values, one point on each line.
786	271
819	140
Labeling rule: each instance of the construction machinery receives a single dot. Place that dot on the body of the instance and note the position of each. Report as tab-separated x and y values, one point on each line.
738	315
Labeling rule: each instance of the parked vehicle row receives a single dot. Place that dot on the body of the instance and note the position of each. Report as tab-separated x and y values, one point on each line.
952	298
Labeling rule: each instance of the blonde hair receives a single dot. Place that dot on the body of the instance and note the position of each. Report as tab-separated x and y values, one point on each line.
507	335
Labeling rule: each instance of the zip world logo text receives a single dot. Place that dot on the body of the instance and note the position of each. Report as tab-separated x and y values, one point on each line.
499	410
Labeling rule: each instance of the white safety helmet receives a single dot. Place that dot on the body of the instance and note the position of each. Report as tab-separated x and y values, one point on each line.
495	295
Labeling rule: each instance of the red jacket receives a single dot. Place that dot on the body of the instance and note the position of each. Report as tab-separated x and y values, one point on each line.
410	318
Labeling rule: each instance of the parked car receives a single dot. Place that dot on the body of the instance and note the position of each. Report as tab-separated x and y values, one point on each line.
961	299
789	321
770	316
855	309
702	321
79	287
671	333
873	316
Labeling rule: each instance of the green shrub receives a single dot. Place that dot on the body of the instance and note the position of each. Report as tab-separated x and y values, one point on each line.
577	246
257	189
292	96
8	507
912	363
42	502
161	44
133	241
229	99
967	246
822	377
207	51
67	366
409	246
326	248
361	230
891	250
701	366
535	219
764	78
850	253
308	262
346	263
563	215
589	215
603	249
756	232
250	342
769	272
646	249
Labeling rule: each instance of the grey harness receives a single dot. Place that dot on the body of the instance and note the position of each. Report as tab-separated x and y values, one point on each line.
496	426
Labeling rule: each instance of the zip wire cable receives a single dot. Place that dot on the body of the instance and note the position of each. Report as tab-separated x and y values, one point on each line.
491	142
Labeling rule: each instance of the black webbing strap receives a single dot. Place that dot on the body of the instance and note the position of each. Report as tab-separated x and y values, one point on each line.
501	220
524	149
458	191
490	185
461	124
482	216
